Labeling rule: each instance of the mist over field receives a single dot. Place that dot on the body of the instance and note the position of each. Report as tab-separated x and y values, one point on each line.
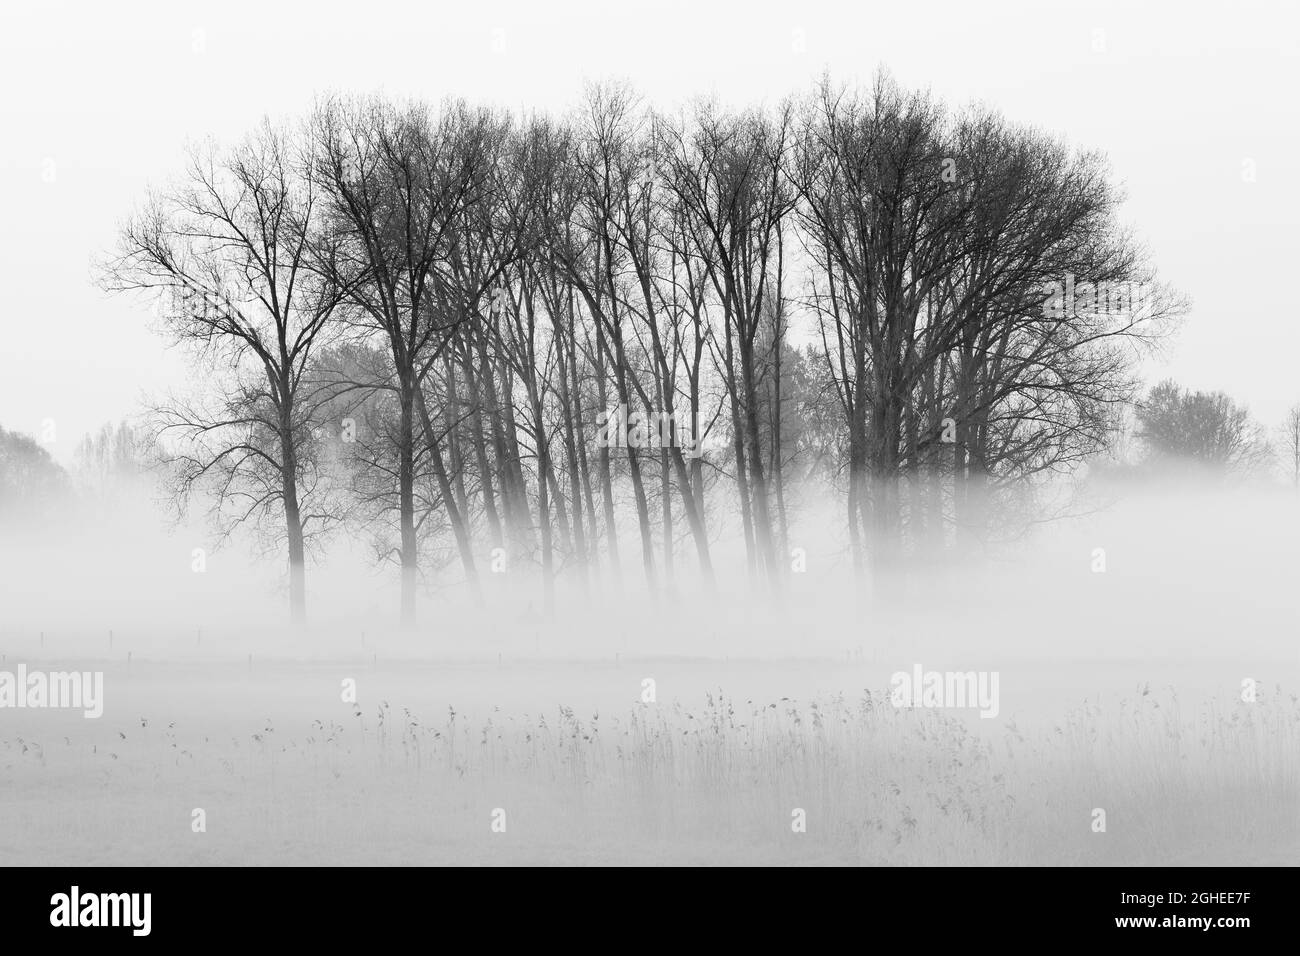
1189	570
1120	689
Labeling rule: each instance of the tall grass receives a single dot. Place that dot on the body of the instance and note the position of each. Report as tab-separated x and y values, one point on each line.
1218	783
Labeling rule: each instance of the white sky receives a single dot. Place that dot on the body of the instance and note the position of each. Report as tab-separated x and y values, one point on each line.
1180	95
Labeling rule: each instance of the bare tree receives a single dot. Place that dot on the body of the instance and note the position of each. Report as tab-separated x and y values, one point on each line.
1290	436
226	253
399	182
729	174
1205	428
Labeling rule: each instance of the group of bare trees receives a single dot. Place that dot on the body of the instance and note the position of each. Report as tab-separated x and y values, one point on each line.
559	342
1209	429
31	481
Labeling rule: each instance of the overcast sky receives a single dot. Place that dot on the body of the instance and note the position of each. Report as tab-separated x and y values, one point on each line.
1187	99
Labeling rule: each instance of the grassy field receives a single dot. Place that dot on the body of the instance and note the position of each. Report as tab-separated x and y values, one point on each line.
288	773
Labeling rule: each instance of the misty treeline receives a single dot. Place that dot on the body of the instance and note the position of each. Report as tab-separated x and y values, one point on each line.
1208	428
598	344
115	467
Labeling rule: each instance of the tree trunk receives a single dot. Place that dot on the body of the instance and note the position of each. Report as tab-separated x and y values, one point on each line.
459	529
293	528
406	503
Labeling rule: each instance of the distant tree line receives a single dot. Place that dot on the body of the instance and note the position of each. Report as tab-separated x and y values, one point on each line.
1210	429
113	466
612	337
